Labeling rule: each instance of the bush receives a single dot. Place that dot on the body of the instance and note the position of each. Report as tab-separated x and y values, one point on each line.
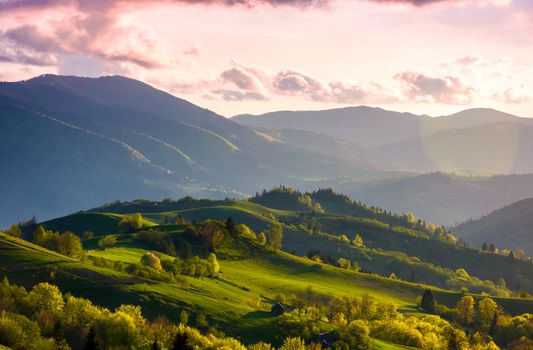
356	335
152	261
131	223
107	242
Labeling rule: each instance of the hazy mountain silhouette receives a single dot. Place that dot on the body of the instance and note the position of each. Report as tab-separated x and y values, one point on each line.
70	142
507	228
443	198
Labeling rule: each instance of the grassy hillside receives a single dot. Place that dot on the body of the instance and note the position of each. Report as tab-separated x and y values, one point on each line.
507	228
98	223
249	274
433	259
235	302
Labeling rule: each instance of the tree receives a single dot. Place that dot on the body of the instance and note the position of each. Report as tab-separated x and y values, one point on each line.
152	261
501	283
87	235
184	317
185	251
131	223
181	342
276	235
212	236
107	242
70	245
90	341
428	302
356	335
358	241
310	296
201	322
230	227
486	310
14	230
214	266
45	296
293	343
465	310
520	254
245	232
261	239
484	246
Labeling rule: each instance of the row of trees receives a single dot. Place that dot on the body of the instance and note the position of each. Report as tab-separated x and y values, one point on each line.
485	319
66	243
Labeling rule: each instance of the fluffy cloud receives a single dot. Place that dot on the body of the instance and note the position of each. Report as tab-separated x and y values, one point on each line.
241	82
448	89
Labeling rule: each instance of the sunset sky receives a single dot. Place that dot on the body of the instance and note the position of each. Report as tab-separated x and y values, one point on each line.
254	56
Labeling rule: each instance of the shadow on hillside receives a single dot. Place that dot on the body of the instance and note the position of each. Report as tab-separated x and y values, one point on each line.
258	314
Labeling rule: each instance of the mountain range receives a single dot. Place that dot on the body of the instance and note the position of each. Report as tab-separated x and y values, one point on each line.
77	142
71	142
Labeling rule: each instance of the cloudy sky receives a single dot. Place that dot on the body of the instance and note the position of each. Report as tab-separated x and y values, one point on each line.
252	56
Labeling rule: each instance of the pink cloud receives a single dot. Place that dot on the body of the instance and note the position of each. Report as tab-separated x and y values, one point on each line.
447	89
511	96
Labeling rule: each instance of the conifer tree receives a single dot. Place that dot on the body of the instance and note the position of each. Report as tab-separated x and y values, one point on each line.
428	302
230	226
181	342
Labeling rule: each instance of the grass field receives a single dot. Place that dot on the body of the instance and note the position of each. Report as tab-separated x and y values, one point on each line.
238	300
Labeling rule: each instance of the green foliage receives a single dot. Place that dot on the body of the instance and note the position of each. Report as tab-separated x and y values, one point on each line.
276	235
66	243
107	242
14	230
87	235
261	239
212	235
293	343
485	313
355	335
214	266
152	261
184	317
465	310
45	296
244	231
131	223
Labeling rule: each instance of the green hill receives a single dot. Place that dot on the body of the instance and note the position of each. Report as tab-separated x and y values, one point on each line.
392	243
249	274
507	228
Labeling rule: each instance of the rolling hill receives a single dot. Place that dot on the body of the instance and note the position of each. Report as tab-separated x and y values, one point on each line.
252	276
510	227
391	244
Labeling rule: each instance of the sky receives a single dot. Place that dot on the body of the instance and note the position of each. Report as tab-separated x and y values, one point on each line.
432	57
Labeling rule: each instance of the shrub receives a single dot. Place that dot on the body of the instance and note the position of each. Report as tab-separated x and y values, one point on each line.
107	242
152	261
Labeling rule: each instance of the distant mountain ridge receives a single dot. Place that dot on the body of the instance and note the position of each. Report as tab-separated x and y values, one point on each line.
478	141
76	142
442	198
510	227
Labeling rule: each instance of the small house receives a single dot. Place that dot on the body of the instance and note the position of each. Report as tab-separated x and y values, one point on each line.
277	309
